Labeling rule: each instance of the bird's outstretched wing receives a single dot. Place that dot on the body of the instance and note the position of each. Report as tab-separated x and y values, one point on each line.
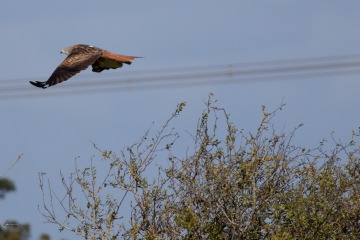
73	64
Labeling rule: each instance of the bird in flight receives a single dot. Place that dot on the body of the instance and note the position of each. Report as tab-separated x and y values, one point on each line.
79	58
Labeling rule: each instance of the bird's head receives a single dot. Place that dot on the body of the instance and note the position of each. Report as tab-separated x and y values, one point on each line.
67	50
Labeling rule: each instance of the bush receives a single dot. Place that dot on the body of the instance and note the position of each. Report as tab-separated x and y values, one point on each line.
236	186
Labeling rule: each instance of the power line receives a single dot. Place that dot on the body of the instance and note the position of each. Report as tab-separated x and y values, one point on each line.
192	76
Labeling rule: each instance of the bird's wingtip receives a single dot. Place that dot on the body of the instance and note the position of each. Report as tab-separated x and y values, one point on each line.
39	84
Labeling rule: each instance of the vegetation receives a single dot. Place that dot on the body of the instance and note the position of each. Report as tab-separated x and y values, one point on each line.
229	184
12	230
6	186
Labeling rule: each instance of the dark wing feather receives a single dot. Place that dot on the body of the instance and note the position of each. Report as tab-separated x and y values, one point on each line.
73	64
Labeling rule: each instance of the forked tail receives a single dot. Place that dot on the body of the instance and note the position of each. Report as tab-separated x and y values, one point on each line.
118	57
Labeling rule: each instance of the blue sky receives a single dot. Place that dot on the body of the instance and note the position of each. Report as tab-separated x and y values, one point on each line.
52	131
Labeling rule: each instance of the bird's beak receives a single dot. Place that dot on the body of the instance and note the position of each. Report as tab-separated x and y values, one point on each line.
62	51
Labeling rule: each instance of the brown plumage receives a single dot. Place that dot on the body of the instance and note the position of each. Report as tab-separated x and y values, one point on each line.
81	57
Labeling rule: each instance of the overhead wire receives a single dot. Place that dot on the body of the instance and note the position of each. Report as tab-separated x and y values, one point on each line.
191	76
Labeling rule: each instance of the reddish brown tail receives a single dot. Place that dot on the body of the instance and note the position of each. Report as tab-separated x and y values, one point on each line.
118	57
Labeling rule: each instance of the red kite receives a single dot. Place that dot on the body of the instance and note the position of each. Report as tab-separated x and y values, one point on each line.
81	57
